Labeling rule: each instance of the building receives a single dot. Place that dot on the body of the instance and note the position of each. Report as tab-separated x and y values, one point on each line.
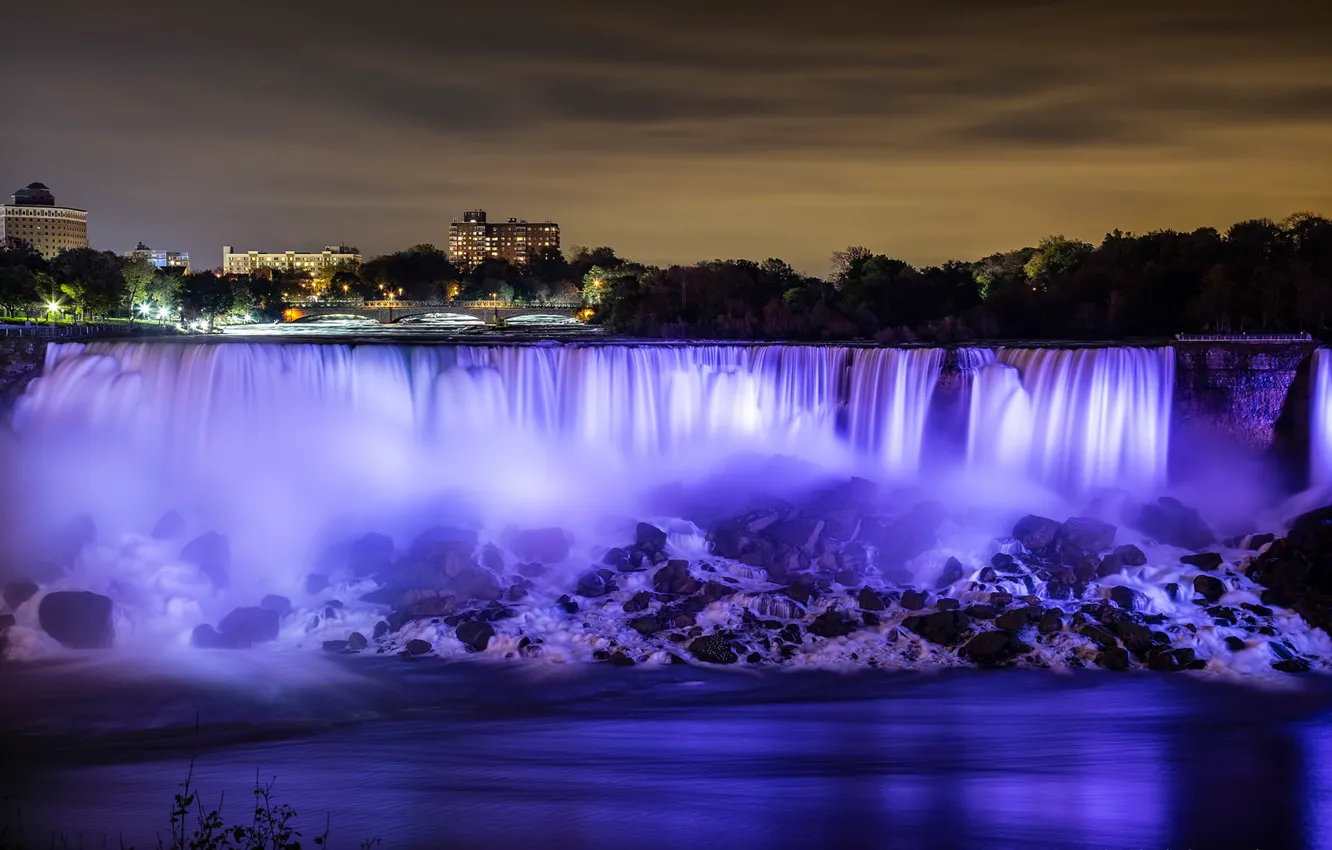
161	259
32	216
474	240
317	264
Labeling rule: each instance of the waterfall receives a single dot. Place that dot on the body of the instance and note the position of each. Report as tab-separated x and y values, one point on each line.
1076	419
1320	424
357	416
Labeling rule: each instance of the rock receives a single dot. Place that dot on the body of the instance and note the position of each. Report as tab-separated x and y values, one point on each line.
1209	587
1113	658
617	559
381	629
649	538
1235	644
491	558
712	591
944	603
1017	618
1204	561
853	559
1254	542
335	645
1259	610
992	648
170	525
245	626
356	641
1086	569
518	592
544	545
591	586
800	533
953	572
1292	665
371	554
899	540
869	600
1127	598
416	646
211	554
316	583
640	601
273	602
205	636
675	578
774	605
1037	534
475	635
1099	636
1172	590
1171	660
531	570
1052	622
77	619
831	624
567	605
476	582
646	626
713	649
945	628
1086	535
981	612
619	659
18	592
1130	555
1171	522
913	600
1137	638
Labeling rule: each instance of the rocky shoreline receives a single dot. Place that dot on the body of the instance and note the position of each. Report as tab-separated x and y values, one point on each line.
834	581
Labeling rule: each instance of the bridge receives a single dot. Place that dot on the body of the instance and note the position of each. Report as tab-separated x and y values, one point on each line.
390	312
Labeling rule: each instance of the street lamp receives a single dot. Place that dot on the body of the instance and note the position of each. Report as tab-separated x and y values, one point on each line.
52	309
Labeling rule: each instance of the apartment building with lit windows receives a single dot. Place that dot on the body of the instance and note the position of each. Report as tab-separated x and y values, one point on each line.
474	240
316	263
32	216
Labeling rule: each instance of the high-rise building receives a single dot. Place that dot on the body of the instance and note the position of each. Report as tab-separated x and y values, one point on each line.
323	262
474	240
32	216
161	259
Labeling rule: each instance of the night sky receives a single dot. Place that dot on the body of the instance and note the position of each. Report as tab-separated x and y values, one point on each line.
674	131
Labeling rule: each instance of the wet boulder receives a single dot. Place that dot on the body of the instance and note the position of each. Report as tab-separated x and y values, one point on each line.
591	585
371	554
1130	555
675	578
1204	560
357	641
1210	588
1170	521
616	559
169	526
832	623
953	572
205	636
869	600
210	553
18	592
475	635
713	649
649	538
913	600
801	533
77	619
1038	534
989	649
1127	598
1080	536
945	628
1172	660
543	545
245	626
640	601
416	646
476	582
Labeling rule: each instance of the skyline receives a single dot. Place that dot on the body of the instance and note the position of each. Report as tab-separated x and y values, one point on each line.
794	132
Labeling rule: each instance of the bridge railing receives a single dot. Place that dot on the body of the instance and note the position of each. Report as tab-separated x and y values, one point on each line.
1301	337
471	305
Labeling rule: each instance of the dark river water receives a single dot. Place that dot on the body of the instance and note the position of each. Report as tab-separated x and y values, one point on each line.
476	756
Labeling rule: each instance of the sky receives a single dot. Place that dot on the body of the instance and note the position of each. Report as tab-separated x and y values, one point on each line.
673	132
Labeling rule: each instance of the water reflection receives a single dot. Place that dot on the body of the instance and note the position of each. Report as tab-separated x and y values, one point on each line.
956	762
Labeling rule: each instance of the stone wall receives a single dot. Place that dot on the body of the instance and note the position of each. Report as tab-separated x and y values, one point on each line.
21	360
1242	391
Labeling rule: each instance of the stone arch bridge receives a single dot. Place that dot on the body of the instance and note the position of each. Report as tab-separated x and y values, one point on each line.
389	312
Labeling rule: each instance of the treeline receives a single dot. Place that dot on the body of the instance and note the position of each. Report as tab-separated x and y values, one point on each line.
1259	276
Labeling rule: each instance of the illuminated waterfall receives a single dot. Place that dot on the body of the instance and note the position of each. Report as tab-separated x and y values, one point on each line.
1320	424
1076	419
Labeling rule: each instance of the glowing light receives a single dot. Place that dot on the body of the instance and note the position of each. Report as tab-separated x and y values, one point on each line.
53	306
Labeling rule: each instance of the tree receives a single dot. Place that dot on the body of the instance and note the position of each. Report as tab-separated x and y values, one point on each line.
18	288
139	278
204	295
843	262
91	279
1055	257
422	272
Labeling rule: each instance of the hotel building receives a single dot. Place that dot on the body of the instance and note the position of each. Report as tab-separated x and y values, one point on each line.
161	259
474	240
32	216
